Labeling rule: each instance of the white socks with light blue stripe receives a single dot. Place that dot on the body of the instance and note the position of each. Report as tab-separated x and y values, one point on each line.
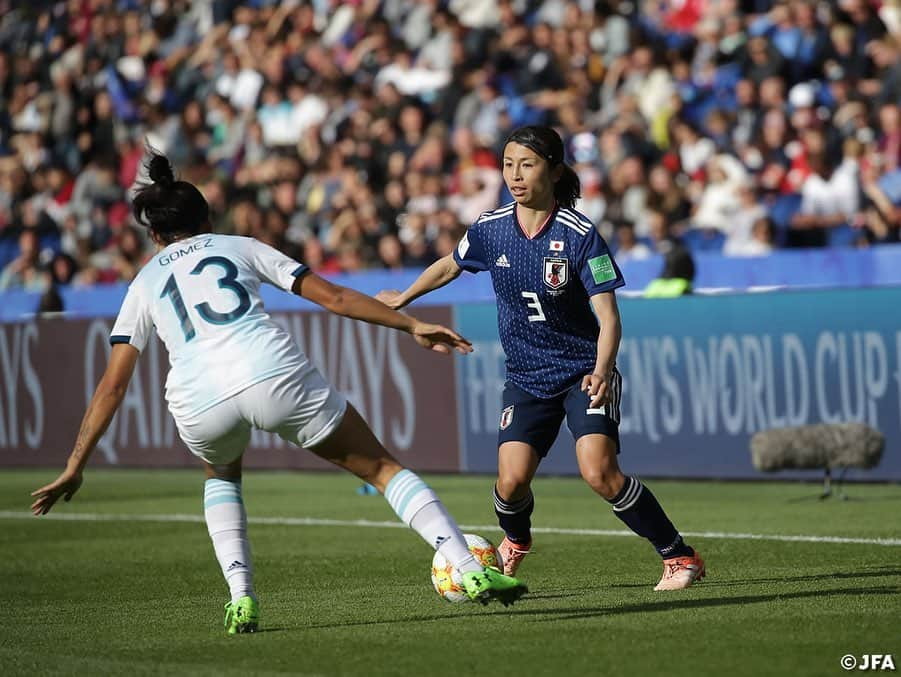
226	521
421	509
409	496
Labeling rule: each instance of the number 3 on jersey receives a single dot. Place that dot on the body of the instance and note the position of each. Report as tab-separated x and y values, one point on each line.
228	281
535	305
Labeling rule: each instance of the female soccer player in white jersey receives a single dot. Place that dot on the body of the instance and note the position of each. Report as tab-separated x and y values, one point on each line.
550	268
234	369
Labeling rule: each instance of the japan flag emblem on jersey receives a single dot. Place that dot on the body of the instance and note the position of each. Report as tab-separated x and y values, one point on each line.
556	271
507	417
556	245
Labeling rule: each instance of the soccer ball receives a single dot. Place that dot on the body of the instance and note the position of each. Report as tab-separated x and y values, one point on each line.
448	581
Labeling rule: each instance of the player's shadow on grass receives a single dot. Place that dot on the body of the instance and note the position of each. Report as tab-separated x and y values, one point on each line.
868	572
865	572
555	594
675	604
843	498
499	610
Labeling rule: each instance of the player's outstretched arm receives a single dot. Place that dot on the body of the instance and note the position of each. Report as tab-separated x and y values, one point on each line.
107	398
353	304
437	275
597	384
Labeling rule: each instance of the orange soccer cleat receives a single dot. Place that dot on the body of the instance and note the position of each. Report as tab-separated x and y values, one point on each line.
512	554
680	572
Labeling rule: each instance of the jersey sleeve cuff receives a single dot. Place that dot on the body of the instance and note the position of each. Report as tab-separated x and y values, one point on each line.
119	338
604	288
300	270
471	265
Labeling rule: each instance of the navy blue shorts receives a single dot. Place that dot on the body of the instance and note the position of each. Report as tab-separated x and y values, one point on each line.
536	421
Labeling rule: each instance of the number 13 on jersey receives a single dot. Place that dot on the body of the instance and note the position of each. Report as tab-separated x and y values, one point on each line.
228	281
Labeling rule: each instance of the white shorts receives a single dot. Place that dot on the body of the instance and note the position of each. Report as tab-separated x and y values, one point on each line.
301	406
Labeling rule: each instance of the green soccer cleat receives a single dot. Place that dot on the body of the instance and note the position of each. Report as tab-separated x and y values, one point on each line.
488	584
242	616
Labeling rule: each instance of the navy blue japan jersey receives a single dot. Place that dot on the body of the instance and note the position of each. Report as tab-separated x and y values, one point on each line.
543	286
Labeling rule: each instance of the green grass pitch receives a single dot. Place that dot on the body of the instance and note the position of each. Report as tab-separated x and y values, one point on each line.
145	597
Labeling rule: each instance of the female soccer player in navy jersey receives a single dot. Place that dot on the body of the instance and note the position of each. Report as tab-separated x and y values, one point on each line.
234	369
550	269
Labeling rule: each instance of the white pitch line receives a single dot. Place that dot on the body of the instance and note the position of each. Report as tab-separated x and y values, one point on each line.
320	522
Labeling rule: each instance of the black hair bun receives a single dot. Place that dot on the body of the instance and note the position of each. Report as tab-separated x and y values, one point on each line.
160	170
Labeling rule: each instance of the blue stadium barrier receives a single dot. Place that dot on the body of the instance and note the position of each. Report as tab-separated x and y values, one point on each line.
802	268
704	240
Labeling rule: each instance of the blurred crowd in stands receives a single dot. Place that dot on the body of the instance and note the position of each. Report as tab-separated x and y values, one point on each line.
363	134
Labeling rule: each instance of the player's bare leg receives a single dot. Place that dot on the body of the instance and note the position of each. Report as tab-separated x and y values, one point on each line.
354	447
637	508
517	463
226	520
598	465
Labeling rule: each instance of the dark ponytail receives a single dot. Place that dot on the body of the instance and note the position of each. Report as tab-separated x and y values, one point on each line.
546	143
170	209
160	170
568	188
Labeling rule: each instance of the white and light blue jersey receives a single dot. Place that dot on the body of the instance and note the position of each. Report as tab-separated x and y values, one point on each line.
202	295
543	286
